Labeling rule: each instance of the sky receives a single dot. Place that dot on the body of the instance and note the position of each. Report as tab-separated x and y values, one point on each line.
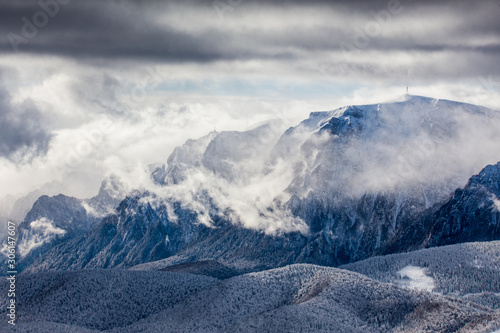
92	88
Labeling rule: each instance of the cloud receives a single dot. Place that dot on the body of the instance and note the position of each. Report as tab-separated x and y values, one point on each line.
21	136
231	174
41	231
178	32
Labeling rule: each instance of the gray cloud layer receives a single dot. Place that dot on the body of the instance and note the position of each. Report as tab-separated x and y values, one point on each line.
21	134
172	31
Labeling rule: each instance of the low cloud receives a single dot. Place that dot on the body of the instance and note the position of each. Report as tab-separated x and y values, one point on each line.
254	197
40	232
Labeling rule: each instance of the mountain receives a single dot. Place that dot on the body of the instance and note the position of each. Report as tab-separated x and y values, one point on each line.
374	170
228	235
57	219
297	298
472	214
137	233
341	186
15	209
52	220
346	181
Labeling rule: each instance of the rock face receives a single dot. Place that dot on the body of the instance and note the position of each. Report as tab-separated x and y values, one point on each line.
341	186
59	219
51	221
139	233
369	172
473	214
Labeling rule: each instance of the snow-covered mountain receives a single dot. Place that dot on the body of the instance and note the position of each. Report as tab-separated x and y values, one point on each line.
375	168
228	234
57	219
473	213
341	186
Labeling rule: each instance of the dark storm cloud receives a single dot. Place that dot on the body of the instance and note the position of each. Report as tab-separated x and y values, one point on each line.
21	134
117	29
133	29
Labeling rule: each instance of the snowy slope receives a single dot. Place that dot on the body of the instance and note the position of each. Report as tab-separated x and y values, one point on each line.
297	298
309	299
100	299
470	270
368	171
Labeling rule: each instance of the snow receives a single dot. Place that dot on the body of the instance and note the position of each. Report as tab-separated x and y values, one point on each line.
496	203
415	278
99	299
296	298
459	270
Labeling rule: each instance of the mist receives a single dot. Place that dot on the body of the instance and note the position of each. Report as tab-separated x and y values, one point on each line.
412	145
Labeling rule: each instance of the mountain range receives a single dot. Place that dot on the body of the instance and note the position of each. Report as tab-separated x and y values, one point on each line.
356	188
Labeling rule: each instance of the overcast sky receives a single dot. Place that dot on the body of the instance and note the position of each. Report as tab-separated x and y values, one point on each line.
89	88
